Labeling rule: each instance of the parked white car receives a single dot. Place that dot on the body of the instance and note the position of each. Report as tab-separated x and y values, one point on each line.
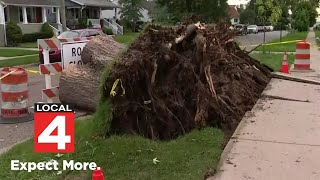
269	28
252	29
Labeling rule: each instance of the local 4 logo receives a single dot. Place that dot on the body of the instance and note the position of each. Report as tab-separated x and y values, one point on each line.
53	128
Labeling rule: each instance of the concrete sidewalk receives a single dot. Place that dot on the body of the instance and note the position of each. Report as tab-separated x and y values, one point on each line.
279	138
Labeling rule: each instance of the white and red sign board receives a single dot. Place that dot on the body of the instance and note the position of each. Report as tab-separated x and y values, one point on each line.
51	92
52	68
71	53
55	44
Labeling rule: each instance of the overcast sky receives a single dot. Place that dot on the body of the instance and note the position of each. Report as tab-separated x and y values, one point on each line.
237	2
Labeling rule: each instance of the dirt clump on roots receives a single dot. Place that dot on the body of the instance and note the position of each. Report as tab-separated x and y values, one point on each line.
173	81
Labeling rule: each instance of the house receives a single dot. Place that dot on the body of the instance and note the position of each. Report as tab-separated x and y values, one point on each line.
31	14
148	7
233	14
238	3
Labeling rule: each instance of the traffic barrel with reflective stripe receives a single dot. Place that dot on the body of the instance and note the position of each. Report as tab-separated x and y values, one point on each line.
14	92
302	59
14	95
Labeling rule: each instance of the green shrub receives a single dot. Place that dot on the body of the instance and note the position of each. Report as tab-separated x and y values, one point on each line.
90	24
14	34
108	31
82	23
33	37
47	31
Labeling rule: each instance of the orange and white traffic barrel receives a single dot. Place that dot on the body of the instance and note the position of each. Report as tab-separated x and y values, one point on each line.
14	95
302	59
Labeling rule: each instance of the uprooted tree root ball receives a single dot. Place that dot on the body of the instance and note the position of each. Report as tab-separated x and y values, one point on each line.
171	82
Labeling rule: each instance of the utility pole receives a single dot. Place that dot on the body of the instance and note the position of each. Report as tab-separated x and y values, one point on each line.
63	15
264	35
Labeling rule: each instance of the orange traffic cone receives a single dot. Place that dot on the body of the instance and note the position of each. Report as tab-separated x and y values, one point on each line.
97	174
285	66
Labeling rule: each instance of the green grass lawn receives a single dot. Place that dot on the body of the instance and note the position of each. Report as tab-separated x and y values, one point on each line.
126	157
289	47
272	60
318	40
11	52
19	61
28	45
127	38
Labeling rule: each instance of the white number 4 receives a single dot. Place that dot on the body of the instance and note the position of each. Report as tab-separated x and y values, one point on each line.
61	139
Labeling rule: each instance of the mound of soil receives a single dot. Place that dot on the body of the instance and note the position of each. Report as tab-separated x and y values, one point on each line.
176	80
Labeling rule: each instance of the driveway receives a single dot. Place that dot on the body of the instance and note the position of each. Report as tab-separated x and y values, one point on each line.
247	41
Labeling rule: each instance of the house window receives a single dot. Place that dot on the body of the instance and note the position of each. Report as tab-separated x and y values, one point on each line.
88	13
77	12
20	14
74	13
95	14
31	14
235	20
54	10
6	12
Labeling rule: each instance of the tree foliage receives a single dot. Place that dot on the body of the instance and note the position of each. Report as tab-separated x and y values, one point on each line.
301	20
131	11
284	18
247	16
268	11
310	10
161	15
206	10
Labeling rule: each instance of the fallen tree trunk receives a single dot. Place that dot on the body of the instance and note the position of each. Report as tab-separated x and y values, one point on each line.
100	51
79	85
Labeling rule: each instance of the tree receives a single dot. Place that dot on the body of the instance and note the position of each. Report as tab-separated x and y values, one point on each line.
206	10
131	12
311	11
284	18
268	11
161	15
301	20
247	16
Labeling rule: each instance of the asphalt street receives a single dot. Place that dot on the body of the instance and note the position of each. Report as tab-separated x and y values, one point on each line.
247	41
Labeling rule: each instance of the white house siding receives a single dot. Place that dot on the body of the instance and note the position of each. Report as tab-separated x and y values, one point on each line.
110	13
234	21
318	18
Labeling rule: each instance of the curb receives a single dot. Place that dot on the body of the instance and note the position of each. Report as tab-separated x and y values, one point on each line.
6	149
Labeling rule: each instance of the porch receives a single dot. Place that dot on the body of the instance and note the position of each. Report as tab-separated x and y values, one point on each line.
31	18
